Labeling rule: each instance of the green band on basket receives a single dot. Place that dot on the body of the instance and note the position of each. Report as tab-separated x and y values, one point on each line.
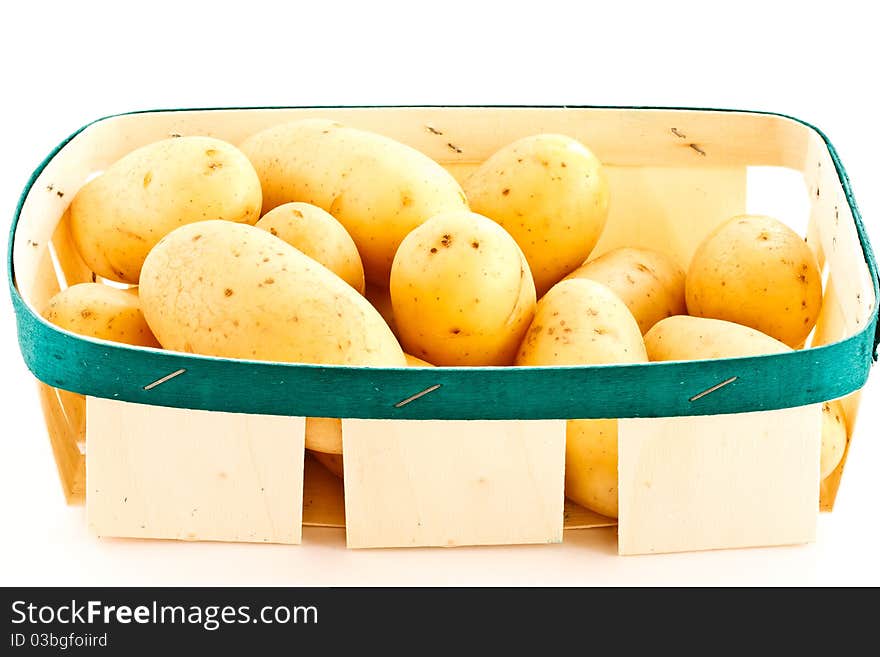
736	385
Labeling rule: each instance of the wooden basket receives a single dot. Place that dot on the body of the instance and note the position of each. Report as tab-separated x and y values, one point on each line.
712	454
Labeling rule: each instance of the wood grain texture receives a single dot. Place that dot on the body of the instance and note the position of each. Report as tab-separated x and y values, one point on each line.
427	482
155	472
711	482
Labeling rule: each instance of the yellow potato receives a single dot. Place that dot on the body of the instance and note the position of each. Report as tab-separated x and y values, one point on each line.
461	291
317	234
100	311
756	271
379	189
581	322
324	434
591	464
695	338
833	437
548	191
649	282
119	216
224	289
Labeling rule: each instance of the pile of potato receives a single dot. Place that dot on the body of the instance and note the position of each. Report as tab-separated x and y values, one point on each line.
313	242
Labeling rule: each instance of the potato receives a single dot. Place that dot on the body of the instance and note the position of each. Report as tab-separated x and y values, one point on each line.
317	234
548	191
119	216
591	464
581	322
224	289
461	291
324	434
379	189
649	282
755	271
100	311
693	338
833	437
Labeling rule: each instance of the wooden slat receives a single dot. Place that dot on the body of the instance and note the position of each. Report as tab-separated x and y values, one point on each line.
670	209
155	472
74	406
69	259
577	517
718	481
848	301
71	463
46	284
832	222
427	482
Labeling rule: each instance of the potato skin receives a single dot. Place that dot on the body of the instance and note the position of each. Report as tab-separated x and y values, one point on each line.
582	322
461	291
591	465
833	437
378	188
695	338
100	311
324	435
756	271
119	216
649	282
551	194
224	289
317	234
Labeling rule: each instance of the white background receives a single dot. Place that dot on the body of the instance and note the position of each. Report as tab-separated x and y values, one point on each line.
65	64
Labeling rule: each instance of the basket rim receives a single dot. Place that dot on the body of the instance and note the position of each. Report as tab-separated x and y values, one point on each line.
665	389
